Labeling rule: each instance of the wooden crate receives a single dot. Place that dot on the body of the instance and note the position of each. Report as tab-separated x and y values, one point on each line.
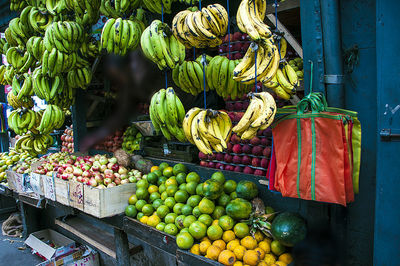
76	195
157	147
37	184
49	187
62	191
16	181
107	201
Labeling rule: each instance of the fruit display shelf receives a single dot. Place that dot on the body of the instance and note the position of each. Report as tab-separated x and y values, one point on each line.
185	257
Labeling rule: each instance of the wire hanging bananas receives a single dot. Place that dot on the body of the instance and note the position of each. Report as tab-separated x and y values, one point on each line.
203	28
250	19
259	115
160	46
167	114
208	129
120	35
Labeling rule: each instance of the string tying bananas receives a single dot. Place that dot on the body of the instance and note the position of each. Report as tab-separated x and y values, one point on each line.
34	144
167	114
259	115
203	28
120	35
161	47
23	120
66	36
250	19
16	103
118	8
24	90
208	129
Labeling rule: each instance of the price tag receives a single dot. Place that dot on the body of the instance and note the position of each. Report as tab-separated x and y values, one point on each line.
166	149
37	184
49	188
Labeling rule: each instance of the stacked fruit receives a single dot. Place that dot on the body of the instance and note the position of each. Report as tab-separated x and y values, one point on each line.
238	45
120	36
132	139
297	65
207	217
161	46
208	129
167	114
67	139
111	143
21	162
203	28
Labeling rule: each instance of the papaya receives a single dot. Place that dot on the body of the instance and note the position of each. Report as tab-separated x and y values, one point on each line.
212	189
246	190
238	209
288	228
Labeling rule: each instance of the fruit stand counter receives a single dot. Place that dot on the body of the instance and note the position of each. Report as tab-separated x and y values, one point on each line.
186	258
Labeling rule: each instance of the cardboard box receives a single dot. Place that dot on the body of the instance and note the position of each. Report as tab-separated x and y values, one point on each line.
83	256
39	241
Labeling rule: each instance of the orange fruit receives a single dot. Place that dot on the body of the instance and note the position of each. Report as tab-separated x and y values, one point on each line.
144	219
286	258
227	257
219	243
262	263
205	219
228	236
168	172
195	249
248	242
229	186
226	222
233	244
179	168
184	240
267	239
153	220
213	252
251	257
205	239
239	252
204	245
264	245
130	211
170	182
241	230
153	168
192	177
259	236
260	252
162	166
214	232
238	263
206	206
269	259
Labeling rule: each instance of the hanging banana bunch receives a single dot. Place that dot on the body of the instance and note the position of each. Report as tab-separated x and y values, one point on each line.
16	103
118	8
26	89
20	59
35	47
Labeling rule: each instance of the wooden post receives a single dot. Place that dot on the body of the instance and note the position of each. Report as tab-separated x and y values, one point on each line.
121	247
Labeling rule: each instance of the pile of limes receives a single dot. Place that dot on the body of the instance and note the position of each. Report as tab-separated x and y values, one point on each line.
176	202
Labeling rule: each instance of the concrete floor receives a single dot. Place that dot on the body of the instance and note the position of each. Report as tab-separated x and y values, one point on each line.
10	255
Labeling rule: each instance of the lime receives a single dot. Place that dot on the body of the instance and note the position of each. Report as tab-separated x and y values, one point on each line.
170	202
277	248
206	206
133	199
157	203
162	211
142	193
170	218
205	219
178	208
182	186
139	215
161	180
153	188
214	232
181	178
154	196
162	188
184	240
130	211
148	209
218	212
179	221
226	222
187	209
230	186
233	195
160	226
241	230
164	195
139	204
196	211
158	172
181	196
198	230
199	189
152	178
171	181
171	190
167	172
194	200
162	166
224	199
192	177
142	183
179	168
183	230
171	229
191	187
189	220
218	176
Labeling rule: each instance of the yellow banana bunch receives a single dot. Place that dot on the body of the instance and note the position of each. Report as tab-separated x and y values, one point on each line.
34	143
167	114
120	36
203	28
250	19
160	46
285	81
16	103
259	115
208	129
267	56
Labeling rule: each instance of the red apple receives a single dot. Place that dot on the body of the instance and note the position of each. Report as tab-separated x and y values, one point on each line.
113	160
98	178
103	160
246	160
228	158
230	147
124	181
237	159
211	165
255	141
246	148
92	182
107	181
256	162
267	151
248	170
237	148
219	157
257	150
238	116
117	181
229	168
220	166
238	169
264	163
79	179
77	171
259	172
264	142
103	168
203	163
111	185
115	167
87	174
235	139
202	156
122	170
69	170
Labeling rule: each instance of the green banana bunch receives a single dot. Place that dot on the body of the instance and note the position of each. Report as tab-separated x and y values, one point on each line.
22	86
157	6
10	39
189	2
65	98
120	36
66	36
3	43
55	7
17	5
86	12
297	65
34	143
39	19
20	59
79	77
3	70
118	8
53	118
37	3
35	47
160	46
16	103
19	33
9	75
22	120
55	62
90	48
189	76
167	114
45	87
